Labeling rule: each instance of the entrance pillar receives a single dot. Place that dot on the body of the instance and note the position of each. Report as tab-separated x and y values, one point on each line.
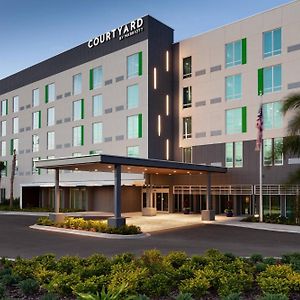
209	213
117	220
150	210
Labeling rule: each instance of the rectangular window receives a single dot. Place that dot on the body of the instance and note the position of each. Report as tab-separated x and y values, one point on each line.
4	172
132	127
77	84
273	117
271	79
3	128
278	151
272	43
15	125
15	104
78	110
132	96
236	120
3	148
134	65
35	143
133	151
36	120
50	93
96	78
187	67
238	154
97	133
50	140
187	155
78	136
35	170
233	87
35	97
187	127
187	97
4	107
229	155
267	151
51	116
236	53
14	145
97	105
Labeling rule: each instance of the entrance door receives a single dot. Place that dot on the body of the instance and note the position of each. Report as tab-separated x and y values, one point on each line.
161	201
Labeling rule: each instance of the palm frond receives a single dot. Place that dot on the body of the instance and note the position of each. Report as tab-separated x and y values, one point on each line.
291	145
294	125
291	102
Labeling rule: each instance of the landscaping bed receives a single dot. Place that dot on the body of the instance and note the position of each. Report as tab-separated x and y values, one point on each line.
152	276
272	219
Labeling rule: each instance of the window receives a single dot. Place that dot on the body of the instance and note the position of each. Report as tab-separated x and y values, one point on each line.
134	126
4	108
273	152
51	140
269	79
35	143
96	78
15	125
78	110
3	148
267	150
35	97
97	105
238	154
50	92
15	104
236	120
4	171
134	65
187	155
14	145
77	84
187	127
133	151
96	152
51	116
97	133
36	120
272	115
132	96
78	136
3	128
233	87
278	151
236	53
229	155
272	43
187	67
187	97
35	170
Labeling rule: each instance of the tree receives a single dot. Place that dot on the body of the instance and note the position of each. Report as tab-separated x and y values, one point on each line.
2	168
12	178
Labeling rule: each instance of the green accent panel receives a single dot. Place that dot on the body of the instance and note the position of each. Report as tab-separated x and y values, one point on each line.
92	151
82	108
82	135
140	126
140	63
40	119
244	119
260	83
91	79
244	51
11	147
46	94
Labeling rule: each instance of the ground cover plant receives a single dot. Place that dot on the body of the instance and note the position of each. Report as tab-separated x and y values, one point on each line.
152	276
273	219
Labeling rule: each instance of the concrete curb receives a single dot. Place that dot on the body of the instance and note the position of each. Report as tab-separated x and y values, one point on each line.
24	213
90	233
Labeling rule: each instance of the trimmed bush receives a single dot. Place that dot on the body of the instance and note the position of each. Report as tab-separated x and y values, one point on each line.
157	285
2	290
274	297
255	258
29	286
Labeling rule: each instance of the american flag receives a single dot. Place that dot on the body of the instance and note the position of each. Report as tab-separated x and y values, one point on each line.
260	128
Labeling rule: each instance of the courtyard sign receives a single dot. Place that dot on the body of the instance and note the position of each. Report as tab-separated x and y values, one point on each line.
121	33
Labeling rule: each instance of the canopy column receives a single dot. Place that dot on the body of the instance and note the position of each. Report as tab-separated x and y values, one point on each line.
209	213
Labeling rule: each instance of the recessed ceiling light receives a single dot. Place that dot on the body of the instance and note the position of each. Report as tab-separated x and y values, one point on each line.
109	167
201	173
170	174
146	169
96	170
156	173
128	168
174	171
76	169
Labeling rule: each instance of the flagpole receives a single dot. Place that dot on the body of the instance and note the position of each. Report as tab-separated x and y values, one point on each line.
260	186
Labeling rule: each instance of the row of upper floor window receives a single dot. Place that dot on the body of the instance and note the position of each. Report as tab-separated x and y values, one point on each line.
234	153
236	119
134	69
236	51
269	80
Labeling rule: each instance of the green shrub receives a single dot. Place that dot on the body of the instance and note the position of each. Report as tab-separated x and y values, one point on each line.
229	256
260	267
270	261
255	258
274	297
29	286
176	259
109	295
250	219
43	276
90	285
184	272
67	264
198	261
123	258
47	260
157	285
233	296
10	279
184	296
292	259
5	271
44	221
24	268
2	290
138	297
63	284
49	296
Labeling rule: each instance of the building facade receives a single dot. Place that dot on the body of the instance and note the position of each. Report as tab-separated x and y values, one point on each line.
134	92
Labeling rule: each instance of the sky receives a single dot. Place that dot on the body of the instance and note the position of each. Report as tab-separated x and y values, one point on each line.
34	30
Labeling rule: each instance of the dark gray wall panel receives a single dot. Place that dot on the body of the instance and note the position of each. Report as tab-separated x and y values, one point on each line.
216	68
200	72
294	85
293	48
215	100
200	103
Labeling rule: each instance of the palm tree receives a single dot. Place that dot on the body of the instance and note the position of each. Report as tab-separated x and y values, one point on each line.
2	168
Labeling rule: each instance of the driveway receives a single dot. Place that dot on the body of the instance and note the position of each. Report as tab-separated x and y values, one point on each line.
17	239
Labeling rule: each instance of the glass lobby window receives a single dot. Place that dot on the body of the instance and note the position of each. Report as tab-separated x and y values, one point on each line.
4	107
132	96
278	153
133	151
77	84
187	127
233	87
273	117
267	151
51	116
15	125
233	53
3	128
97	133
50	140
3	148
272	43
78	110
272	79
35	143
187	97
51	92
187	155
15	104
187	67
78	136
238	154
97	105
35	97
134	65
36	120
229	155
